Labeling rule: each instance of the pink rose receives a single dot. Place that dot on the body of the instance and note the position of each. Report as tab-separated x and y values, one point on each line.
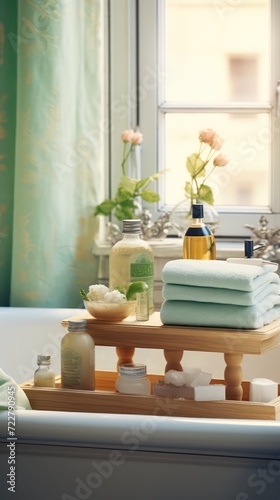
137	138
127	135
207	135
220	160
216	142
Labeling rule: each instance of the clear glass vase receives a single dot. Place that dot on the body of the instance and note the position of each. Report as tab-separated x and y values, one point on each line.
181	218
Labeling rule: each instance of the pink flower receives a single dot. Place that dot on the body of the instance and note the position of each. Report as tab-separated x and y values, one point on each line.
220	160
207	135
137	138
216	142
127	135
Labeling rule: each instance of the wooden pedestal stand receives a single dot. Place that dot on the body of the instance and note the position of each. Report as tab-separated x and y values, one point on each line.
174	340
128	335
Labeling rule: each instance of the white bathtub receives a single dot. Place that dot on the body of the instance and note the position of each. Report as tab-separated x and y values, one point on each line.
71	456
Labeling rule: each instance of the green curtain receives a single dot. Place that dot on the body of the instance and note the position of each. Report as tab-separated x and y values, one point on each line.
58	150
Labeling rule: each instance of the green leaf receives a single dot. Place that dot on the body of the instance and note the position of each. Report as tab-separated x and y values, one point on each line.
205	193
195	166
128	184
105	208
149	195
143	182
134	288
84	295
147	180
123	195
122	212
156	176
128	203
121	289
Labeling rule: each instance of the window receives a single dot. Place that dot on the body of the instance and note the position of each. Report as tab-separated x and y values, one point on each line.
207	64
243	78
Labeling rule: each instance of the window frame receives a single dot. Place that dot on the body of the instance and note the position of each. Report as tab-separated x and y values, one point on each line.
125	79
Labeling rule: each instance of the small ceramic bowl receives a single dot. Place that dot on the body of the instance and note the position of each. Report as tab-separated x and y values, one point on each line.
108	311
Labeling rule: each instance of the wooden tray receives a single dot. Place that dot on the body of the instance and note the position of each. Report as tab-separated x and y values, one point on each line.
106	400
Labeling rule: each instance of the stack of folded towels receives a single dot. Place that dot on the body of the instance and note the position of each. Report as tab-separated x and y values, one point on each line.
217	293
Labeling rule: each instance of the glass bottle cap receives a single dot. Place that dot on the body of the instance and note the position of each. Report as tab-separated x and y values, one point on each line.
133	370
197	211
78	325
132	226
43	359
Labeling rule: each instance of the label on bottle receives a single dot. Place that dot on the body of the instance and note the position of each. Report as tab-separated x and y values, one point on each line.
71	366
142	269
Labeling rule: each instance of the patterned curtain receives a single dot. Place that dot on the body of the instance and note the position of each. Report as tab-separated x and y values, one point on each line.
52	159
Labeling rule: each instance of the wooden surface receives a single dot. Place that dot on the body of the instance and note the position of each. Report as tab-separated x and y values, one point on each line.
153	334
106	400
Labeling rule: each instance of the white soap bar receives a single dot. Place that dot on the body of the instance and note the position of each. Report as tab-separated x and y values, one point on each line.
214	392
263	390
190	374
175	377
203	378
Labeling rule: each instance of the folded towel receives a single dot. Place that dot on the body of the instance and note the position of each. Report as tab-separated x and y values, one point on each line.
186	313
220	295
217	274
9	389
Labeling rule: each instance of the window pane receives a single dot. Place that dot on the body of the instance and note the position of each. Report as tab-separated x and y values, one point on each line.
217	51
247	140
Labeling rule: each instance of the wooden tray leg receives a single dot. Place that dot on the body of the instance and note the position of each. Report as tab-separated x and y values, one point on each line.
125	355
233	376
173	359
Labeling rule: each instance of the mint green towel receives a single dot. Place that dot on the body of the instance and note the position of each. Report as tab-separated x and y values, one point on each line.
220	295
176	312
11	394
217	274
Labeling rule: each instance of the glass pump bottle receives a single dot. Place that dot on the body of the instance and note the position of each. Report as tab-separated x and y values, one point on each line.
199	242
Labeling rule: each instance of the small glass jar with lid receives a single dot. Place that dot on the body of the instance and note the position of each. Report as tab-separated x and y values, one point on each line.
44	376
133	379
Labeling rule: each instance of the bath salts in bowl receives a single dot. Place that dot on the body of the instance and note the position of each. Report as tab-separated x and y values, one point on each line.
110	311
112	305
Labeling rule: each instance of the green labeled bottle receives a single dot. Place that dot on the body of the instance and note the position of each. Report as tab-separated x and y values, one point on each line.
132	259
199	242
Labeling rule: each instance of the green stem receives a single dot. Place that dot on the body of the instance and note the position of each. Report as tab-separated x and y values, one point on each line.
125	156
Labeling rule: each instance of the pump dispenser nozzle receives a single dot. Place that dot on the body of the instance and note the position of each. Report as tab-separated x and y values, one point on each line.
249	248
249	259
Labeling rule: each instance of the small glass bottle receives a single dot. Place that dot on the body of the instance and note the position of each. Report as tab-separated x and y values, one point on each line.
133	379
77	357
132	259
44	376
199	242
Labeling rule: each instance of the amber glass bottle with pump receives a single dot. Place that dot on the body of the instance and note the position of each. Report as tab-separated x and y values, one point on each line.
199	242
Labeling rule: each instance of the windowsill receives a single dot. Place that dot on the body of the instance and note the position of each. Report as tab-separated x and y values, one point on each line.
172	248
